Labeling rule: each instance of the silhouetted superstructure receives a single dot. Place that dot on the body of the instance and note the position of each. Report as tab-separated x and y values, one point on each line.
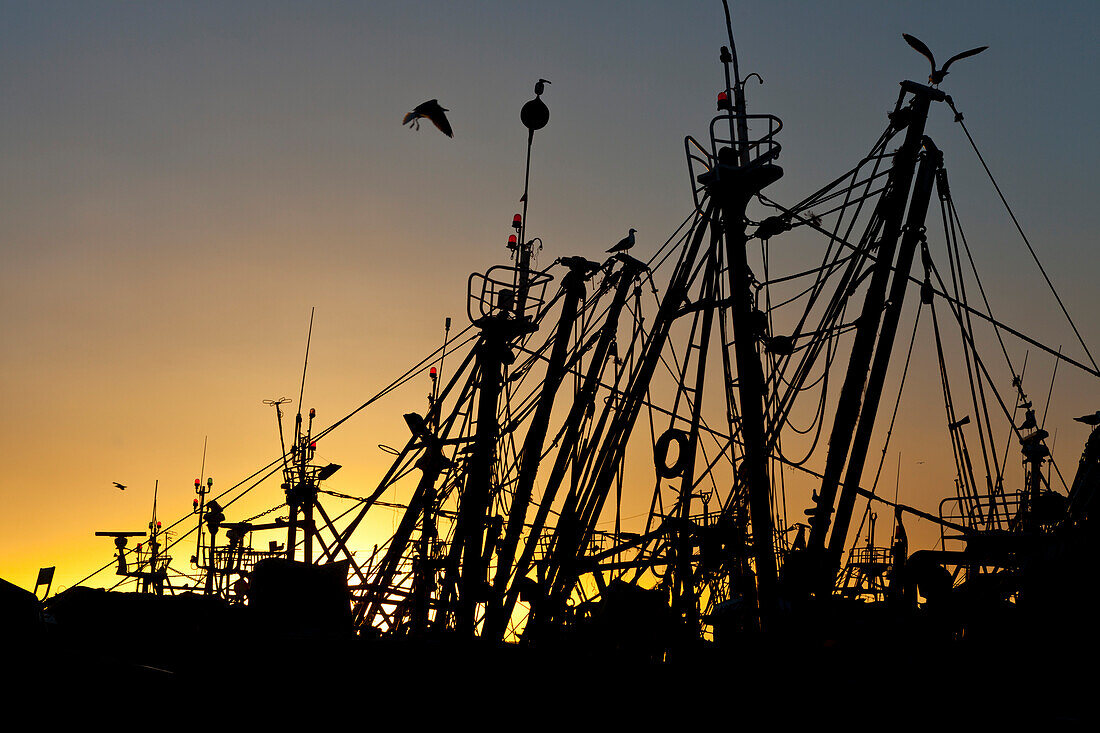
558	403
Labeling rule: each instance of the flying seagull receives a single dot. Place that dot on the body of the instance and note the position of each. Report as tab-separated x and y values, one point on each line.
429	110
938	74
625	243
118	485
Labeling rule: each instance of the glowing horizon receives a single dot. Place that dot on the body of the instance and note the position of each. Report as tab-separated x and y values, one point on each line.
182	186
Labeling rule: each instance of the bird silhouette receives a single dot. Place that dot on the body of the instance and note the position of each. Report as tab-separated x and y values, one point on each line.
429	110
535	114
118	485
1093	419
625	243
938	74
1029	420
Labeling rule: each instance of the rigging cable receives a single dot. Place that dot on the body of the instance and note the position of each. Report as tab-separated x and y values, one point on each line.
977	391
956	311
1091	370
959	119
893	418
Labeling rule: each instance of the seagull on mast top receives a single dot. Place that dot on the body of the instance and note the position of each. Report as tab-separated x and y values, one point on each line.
535	114
430	110
938	74
625	243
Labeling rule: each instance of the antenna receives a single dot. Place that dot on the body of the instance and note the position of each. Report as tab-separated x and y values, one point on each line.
534	115
733	46
200	503
434	415
302	391
154	546
738	111
1053	376
156	483
279	419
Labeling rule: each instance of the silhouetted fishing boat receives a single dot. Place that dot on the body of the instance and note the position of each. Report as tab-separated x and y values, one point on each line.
575	387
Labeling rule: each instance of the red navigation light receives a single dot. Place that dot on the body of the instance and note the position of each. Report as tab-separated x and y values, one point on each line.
512	241
723	101
517	221
197	483
195	503
722	97
313	445
138	548
432	373
158	525
312	413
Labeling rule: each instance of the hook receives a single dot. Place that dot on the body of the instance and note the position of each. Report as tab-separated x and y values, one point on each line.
746	79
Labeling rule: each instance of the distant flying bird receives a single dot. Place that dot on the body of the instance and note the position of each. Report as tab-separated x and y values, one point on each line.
1093	419
938	74
625	243
118	485
429	110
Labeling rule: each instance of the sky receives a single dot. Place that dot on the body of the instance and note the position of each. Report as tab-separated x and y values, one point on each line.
183	182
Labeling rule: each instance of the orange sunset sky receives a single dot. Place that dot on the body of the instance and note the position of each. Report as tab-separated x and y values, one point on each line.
181	183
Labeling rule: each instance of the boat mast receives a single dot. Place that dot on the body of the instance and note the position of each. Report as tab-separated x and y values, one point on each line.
890	211
733	183
930	164
573	285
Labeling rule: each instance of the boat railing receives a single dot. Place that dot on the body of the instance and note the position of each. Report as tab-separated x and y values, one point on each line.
500	292
865	573
996	512
699	163
236	560
143	561
870	557
597	543
702	161
755	151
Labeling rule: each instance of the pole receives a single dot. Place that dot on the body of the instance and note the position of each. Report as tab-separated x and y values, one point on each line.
531	455
914	233
890	210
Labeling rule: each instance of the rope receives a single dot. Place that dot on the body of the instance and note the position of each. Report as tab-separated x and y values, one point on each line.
959	119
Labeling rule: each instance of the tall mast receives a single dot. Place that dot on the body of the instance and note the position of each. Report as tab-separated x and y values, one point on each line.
737	168
890	211
733	184
913	235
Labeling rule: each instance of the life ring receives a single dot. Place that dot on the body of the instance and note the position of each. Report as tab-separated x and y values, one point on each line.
660	453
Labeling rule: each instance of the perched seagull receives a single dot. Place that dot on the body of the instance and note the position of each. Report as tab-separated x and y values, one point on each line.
118	485
429	110
535	114
938	74
1093	419
1029	420
625	243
